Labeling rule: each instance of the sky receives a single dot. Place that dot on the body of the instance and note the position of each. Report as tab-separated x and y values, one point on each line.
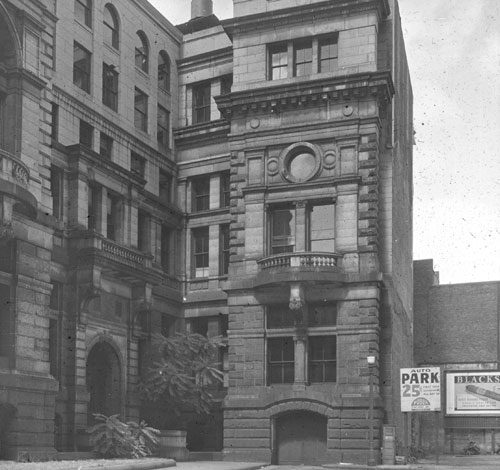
453	49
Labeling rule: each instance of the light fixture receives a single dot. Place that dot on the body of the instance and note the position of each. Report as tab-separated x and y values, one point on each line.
371	360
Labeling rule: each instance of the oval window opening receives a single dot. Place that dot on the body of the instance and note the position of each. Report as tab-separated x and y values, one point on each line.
302	166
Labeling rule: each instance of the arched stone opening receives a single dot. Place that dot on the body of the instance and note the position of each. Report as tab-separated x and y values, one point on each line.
300	438
103	381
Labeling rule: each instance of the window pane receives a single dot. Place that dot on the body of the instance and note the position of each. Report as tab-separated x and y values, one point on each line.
141	52
83	12
283	231
163	71
81	67
322	222
328	54
278	62
141	110
110	27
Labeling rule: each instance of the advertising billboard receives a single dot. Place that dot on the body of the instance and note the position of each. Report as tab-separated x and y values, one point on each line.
473	393
421	389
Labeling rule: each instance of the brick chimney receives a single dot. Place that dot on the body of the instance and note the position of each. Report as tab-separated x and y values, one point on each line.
201	8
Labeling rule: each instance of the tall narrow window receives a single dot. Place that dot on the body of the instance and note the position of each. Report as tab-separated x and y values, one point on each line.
106	146
224	250
141	52
165	248
201	103
113	217
83	12
225	189
138	164
201	194
94	206
165	189
81	67
141	110
163	127
86	134
302	52
54	346
278	62
322	359
226	83
110	22
143	232
163	71
54	124
328	53
282	231
200	251
280	360
56	186
322	228
110	86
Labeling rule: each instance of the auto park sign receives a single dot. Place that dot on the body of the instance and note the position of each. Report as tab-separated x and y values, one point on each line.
421	389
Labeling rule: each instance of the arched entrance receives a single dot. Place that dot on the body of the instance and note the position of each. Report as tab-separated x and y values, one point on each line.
103	381
300	438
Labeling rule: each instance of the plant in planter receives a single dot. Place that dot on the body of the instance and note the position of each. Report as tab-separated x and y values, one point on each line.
113	438
182	378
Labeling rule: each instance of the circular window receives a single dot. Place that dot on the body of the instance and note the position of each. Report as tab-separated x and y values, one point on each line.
300	162
302	166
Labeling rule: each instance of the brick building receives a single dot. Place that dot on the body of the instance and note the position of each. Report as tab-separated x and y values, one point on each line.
250	177
456	327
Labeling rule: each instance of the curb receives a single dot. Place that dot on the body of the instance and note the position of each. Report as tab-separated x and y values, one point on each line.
157	464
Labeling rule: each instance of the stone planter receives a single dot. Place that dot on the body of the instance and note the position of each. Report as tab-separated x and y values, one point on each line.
173	445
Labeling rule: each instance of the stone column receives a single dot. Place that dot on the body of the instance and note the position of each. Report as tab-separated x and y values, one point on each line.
300	226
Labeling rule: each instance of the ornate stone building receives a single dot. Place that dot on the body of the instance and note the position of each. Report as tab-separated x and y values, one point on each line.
250	177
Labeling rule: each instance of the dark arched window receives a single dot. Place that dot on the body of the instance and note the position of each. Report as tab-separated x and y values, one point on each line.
142	52
164	71
110	20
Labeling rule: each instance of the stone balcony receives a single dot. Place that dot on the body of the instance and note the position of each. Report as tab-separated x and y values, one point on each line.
14	182
115	259
300	267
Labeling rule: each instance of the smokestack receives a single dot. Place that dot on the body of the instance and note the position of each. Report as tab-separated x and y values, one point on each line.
201	8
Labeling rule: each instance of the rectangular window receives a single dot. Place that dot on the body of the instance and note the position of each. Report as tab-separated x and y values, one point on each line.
282	231
322	228
54	347
110	86
86	134
141	110
56	298
165	248
167	325
225	189
279	316
322	359
200	251
165	190
328	54
81	67
280	360
163	128
324	314
199	326
143	230
54	124
56	186
113	217
201	103
302	56
226	83
83	12
278	62
137	164
105	146
94	206
201	194
224	249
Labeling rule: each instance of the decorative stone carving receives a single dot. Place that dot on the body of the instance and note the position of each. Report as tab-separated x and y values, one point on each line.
296	301
20	174
329	160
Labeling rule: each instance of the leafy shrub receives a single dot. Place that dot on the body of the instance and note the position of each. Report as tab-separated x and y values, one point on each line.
113	438
185	373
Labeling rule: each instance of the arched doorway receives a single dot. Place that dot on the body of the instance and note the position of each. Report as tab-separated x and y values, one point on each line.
300	438
103	381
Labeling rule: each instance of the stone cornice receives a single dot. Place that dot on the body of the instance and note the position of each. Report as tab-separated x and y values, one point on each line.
304	14
290	95
196	134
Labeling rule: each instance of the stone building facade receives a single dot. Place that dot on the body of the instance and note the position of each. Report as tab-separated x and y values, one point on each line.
250	178
457	328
